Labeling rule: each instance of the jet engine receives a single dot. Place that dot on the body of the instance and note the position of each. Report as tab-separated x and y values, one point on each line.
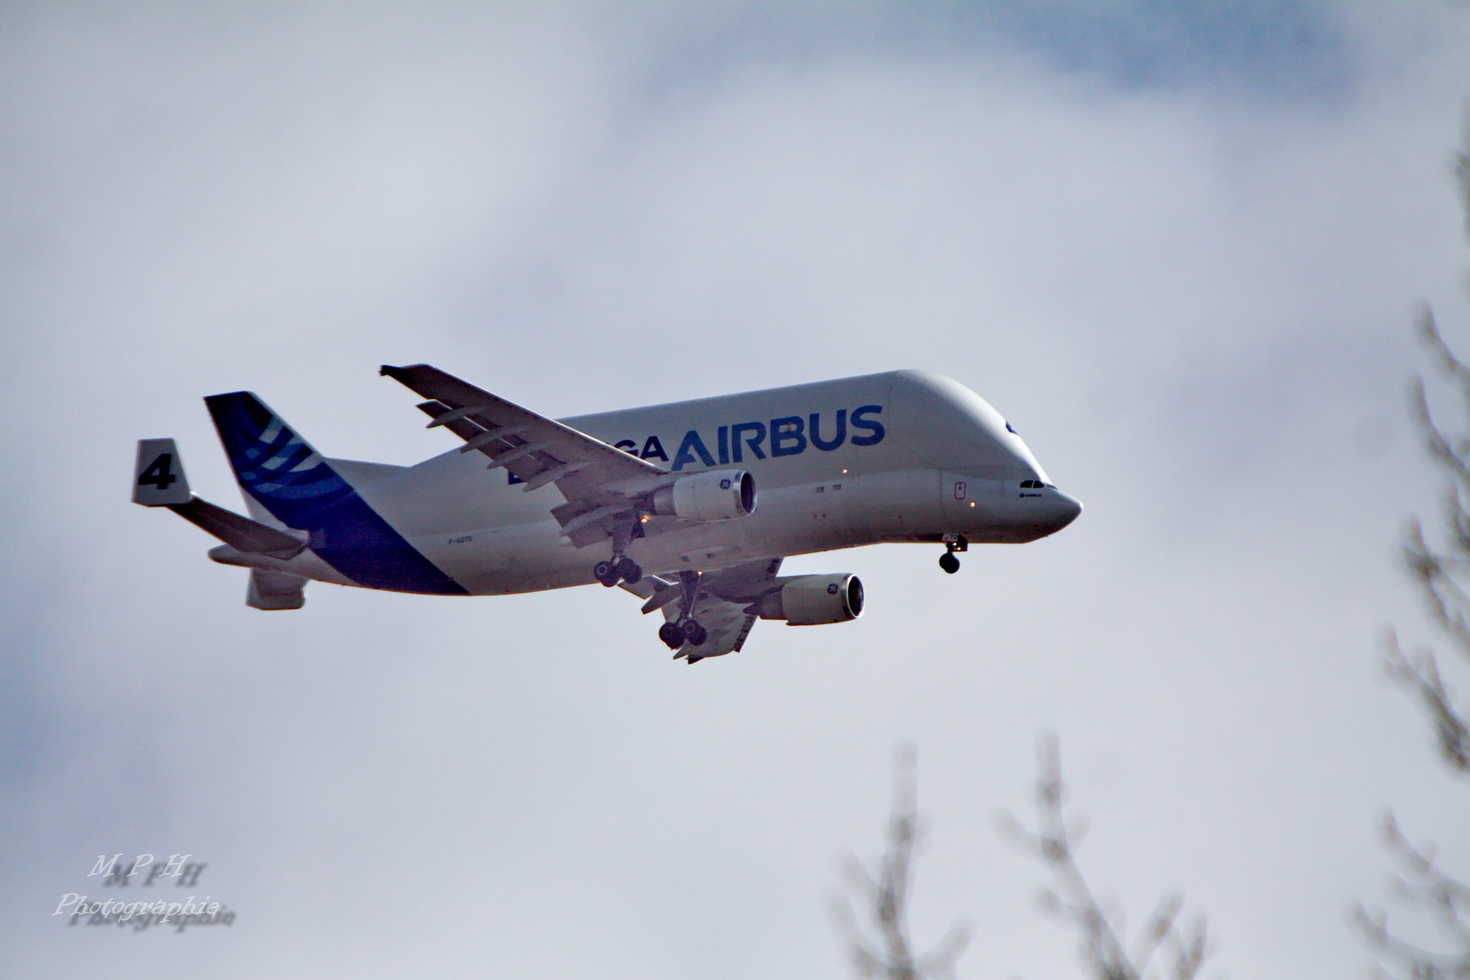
811	600
714	495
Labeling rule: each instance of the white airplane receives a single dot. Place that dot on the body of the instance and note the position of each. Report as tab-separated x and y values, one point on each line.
661	500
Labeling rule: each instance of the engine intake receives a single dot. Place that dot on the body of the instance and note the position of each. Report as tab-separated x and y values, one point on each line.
812	600
715	495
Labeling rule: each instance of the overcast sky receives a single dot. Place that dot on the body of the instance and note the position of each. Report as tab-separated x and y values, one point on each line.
1178	246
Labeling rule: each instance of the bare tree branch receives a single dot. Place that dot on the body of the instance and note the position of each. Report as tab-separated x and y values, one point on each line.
1439	574
1423	883
1434	570
887	954
1178	947
1420	676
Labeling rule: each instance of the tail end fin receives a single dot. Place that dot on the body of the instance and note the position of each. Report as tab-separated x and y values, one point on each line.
158	475
297	486
272	463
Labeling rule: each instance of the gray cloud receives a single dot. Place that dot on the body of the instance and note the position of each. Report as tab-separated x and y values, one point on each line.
1188	299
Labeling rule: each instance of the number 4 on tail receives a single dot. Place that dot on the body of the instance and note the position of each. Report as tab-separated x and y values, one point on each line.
160	472
158	476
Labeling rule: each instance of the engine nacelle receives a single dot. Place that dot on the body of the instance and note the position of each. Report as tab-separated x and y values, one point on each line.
715	495
811	600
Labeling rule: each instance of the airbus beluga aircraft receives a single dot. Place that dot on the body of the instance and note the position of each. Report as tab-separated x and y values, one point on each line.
660	500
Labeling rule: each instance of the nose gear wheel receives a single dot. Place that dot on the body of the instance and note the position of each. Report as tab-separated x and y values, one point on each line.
953	542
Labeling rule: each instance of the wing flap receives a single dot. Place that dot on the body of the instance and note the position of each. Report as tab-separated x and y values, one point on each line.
726	626
533	448
598	481
723	605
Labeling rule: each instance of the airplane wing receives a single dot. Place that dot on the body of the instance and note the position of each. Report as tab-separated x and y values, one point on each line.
722	605
599	481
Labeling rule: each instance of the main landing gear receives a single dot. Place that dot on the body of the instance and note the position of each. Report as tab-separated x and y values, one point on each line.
686	629
676	632
953	542
621	568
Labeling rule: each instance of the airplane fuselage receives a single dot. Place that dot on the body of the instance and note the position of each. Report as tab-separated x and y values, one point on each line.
903	456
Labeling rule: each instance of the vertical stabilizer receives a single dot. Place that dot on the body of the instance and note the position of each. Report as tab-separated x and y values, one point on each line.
281	472
274	465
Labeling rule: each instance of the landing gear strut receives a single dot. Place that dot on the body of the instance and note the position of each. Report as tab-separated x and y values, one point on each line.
953	542
621	568
685	629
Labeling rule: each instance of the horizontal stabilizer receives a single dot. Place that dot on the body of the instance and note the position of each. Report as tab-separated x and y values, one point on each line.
240	532
274	590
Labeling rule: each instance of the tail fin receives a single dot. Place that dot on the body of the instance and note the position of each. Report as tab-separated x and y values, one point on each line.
278	469
274	465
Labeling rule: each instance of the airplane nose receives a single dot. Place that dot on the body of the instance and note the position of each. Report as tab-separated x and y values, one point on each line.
1067	509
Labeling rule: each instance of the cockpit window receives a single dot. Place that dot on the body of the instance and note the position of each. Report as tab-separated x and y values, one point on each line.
1011	429
1035	485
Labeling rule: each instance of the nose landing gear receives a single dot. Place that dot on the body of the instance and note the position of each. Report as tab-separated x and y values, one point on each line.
953	542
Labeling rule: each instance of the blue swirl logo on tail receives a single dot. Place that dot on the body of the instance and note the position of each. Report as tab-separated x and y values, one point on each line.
273	463
295	483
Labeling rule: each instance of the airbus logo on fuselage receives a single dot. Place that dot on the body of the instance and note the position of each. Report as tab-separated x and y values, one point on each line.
788	435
